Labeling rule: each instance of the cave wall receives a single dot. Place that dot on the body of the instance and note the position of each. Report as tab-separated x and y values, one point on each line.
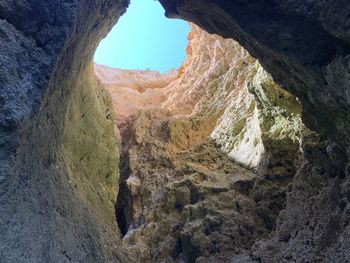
59	156
305	46
29	49
56	203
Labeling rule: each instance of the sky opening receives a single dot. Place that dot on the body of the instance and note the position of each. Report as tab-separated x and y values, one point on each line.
143	39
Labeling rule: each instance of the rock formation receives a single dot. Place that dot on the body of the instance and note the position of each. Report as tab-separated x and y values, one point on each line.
282	35
183	195
305	46
59	156
216	164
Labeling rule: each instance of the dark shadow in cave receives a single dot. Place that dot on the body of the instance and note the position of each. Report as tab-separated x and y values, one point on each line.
123	206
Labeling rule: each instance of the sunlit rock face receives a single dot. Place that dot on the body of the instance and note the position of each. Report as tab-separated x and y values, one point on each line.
133	90
183	195
220	86
281	34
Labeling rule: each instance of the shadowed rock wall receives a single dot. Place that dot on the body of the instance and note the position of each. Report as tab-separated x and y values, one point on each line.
59	156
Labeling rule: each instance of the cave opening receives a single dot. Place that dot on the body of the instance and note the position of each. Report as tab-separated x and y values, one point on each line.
193	132
195	203
144	50
217	165
144	39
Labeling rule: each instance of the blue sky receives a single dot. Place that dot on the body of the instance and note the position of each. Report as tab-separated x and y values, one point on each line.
144	38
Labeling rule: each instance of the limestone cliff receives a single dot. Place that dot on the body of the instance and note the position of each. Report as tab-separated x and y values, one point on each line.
183	195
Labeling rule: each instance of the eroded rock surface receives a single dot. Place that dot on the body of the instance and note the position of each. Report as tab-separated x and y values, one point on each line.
58	148
282	35
184	195
58	153
305	46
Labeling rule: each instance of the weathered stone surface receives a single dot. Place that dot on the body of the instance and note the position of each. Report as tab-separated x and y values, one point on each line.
231	93
29	49
314	225
182	197
58	154
132	90
305	46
